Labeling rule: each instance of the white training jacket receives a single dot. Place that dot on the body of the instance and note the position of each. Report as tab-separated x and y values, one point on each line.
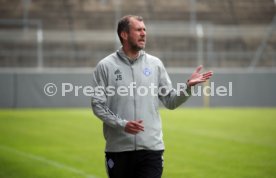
116	72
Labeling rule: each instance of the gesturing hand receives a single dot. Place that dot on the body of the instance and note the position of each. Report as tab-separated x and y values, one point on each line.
197	77
134	127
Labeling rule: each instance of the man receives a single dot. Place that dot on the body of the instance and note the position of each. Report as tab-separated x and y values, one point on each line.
131	121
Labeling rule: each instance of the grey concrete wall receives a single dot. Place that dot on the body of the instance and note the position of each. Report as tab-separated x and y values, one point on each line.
248	90
27	90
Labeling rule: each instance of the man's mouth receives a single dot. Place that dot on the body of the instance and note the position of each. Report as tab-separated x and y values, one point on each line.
142	40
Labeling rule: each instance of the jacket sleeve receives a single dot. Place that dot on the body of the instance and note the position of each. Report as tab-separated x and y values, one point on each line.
168	95
99	99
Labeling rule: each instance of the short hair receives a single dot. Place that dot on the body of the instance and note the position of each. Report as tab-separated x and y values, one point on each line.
124	24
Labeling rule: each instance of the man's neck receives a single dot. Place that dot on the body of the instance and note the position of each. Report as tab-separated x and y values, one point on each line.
131	54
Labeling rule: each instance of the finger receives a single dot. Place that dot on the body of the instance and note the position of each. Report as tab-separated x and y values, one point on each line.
136	127
198	69
134	131
208	74
139	127
206	77
139	123
129	131
130	126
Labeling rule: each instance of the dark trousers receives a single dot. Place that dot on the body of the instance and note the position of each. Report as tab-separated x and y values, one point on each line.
134	164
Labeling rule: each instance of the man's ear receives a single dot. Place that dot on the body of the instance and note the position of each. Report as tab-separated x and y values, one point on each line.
124	35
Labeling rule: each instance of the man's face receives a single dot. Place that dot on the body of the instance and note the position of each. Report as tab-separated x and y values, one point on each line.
137	35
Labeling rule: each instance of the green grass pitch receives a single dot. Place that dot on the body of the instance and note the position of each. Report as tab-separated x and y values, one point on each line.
200	143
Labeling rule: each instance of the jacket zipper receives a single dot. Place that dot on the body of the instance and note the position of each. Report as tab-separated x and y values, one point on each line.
134	104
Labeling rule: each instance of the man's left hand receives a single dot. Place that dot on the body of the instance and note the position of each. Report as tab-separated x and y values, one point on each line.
197	77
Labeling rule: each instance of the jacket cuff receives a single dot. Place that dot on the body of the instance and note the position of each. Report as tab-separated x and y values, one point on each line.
122	123
188	89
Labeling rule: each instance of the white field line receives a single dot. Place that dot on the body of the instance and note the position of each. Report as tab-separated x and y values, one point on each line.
47	161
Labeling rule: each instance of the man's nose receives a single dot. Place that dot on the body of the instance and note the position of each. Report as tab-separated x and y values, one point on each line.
143	33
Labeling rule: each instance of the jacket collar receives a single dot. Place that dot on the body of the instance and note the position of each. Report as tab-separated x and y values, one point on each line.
123	56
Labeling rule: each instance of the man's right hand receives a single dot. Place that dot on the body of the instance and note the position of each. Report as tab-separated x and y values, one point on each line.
134	127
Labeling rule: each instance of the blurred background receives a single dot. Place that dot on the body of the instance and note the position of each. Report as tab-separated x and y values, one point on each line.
60	42
53	41
71	33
